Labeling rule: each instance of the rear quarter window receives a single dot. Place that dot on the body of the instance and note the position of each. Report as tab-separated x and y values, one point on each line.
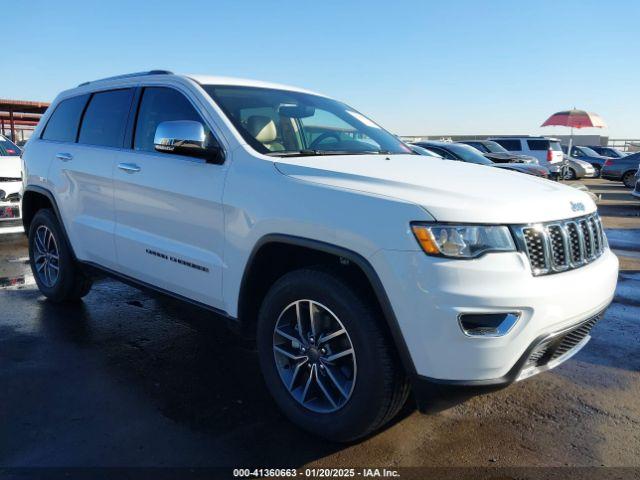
511	145
538	145
65	119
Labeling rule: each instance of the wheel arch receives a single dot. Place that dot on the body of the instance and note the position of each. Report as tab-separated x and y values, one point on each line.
36	198
298	252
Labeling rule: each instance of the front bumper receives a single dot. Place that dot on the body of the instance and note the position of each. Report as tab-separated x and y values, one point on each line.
428	294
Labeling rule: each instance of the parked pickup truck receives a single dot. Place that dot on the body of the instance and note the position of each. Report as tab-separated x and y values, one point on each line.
362	270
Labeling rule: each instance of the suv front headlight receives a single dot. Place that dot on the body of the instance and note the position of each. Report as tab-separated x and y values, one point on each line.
463	241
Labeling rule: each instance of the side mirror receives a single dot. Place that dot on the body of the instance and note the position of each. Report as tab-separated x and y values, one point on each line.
186	137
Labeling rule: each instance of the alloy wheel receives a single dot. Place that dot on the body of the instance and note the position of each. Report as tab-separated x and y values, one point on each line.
46	256
314	356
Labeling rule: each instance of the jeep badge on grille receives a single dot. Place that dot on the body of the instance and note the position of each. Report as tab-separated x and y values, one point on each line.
577	206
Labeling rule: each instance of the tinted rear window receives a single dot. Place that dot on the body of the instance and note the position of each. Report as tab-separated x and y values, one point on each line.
105	119
63	123
511	145
544	145
538	144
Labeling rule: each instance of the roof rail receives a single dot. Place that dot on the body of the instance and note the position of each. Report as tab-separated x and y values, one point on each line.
127	75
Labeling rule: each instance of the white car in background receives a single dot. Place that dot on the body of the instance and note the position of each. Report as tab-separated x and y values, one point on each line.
547	150
10	185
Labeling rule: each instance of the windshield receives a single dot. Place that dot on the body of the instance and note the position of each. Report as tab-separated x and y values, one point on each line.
285	123
8	148
468	154
494	147
423	151
589	152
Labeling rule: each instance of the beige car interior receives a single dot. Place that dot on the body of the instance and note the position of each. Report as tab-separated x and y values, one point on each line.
264	130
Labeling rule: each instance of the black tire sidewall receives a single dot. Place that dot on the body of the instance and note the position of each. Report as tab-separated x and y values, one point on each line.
363	407
629	175
60	290
570	174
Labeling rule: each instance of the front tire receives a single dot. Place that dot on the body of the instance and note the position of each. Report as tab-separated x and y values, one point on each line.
597	169
55	271
326	358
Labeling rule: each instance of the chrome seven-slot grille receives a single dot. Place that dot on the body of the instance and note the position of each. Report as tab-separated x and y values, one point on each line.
564	245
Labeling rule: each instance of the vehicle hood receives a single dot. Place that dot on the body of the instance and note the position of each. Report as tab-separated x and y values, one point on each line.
582	163
524	168
449	190
10	167
501	156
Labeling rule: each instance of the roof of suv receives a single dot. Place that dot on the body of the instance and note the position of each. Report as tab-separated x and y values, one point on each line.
203	80
526	137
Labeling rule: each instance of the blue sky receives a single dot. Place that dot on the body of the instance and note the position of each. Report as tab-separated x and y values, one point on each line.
416	67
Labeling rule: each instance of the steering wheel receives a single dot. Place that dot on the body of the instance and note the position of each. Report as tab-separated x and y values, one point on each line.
322	137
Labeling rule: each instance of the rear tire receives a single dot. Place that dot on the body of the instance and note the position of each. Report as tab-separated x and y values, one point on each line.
56	273
372	386
629	179
597	171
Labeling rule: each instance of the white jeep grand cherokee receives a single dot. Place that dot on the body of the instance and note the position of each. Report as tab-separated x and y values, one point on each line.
363	271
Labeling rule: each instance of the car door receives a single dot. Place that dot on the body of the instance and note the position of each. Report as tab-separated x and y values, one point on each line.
85	147
170	229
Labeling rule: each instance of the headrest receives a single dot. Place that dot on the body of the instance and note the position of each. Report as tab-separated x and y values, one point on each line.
262	128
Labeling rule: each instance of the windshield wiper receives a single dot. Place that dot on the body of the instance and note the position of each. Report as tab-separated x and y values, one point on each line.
295	153
309	152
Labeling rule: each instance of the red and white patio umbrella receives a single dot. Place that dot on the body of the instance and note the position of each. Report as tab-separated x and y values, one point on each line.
574	119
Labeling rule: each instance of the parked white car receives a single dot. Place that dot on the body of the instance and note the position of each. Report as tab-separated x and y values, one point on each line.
547	150
10	186
362	270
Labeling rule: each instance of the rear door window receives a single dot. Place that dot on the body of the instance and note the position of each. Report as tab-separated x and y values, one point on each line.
511	145
63	123
105	120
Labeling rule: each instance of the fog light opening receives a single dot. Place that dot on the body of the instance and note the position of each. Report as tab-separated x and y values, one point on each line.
487	324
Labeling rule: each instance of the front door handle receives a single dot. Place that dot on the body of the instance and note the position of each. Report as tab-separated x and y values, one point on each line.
65	157
129	167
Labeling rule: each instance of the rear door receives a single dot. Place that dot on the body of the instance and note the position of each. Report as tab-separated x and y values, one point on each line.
85	137
170	228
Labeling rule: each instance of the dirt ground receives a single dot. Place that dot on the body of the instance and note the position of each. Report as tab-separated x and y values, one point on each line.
124	379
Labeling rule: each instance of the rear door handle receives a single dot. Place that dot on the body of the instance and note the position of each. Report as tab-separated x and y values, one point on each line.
129	167
65	157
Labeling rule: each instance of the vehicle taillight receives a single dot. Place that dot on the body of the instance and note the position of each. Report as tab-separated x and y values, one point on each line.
608	162
549	155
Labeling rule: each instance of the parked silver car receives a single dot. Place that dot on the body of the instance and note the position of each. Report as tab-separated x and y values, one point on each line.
576	169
